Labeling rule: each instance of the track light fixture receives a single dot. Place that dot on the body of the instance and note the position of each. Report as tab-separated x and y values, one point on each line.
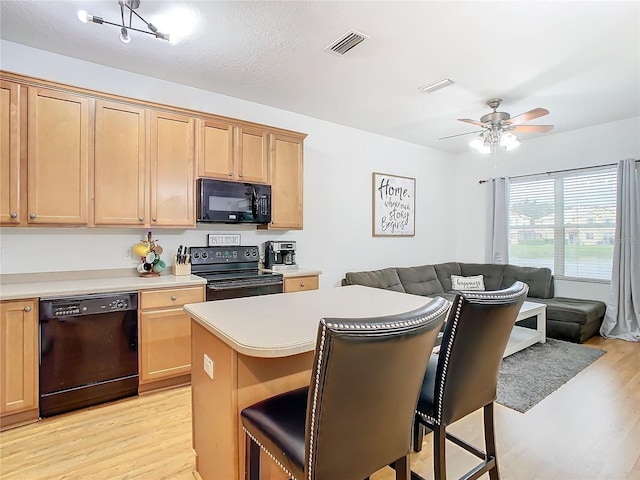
129	6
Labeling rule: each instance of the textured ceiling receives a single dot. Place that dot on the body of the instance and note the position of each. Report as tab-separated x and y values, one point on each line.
580	60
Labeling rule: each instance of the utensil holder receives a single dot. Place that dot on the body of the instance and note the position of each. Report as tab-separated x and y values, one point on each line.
180	268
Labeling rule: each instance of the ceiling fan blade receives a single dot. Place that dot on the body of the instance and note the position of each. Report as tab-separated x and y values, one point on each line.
459	135
526	116
472	122
532	128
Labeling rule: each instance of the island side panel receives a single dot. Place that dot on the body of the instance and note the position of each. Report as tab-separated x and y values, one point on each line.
260	378
214	406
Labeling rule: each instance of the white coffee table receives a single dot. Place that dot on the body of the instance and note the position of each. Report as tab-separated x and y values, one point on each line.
522	337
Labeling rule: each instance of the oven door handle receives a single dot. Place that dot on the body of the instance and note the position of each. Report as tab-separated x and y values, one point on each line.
231	286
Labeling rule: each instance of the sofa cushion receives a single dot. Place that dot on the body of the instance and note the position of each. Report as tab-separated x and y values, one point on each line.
491	272
386	278
421	280
444	272
538	279
476	282
574	310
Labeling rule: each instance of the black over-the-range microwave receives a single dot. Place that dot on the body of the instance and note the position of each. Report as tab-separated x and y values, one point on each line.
221	201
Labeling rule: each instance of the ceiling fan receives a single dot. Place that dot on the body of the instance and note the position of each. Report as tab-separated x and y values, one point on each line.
498	128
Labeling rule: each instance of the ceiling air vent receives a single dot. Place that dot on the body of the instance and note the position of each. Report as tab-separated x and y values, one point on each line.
347	42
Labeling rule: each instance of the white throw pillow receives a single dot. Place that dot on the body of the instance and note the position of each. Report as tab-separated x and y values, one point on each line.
475	282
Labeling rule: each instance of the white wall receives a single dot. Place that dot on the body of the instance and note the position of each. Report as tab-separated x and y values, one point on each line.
602	144
338	163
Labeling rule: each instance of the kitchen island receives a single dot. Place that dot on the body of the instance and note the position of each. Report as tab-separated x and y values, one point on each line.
248	349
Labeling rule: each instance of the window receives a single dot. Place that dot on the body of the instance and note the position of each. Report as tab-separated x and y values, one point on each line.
564	221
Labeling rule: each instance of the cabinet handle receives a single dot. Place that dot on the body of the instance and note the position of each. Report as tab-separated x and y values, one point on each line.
231	174
173	298
13	215
32	215
302	284
27	309
240	175
141	219
154	219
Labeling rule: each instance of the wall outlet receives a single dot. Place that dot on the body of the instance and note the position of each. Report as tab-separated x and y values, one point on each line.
208	366
128	255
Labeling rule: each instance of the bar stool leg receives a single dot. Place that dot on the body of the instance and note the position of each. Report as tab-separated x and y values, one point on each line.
439	458
490	441
252	459
401	466
418	436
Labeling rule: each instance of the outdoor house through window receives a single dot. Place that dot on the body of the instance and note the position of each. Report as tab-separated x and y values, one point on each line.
564	221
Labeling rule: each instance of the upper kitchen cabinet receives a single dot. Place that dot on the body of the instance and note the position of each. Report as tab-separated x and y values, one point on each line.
120	186
77	157
285	164
58	157
251	154
9	153
172	170
229	152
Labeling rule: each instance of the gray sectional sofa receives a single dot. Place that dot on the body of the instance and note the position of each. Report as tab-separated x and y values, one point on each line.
569	319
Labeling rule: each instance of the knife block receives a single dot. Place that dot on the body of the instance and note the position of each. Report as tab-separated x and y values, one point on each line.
180	268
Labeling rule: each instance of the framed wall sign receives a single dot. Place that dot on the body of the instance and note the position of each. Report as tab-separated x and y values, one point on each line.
394	204
224	239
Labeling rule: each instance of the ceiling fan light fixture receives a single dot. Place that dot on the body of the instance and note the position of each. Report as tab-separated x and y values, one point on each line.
432	87
509	141
498	128
480	145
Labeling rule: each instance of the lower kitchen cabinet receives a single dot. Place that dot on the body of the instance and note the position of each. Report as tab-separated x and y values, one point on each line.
299	284
18	362
164	333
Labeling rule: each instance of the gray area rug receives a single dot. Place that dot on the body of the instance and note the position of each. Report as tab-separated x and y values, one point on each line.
526	377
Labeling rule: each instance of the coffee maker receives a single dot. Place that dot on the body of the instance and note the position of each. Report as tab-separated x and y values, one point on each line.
280	255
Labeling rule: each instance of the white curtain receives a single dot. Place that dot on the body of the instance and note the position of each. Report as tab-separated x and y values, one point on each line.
622	318
498	228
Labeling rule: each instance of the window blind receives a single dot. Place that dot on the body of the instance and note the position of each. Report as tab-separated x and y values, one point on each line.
564	221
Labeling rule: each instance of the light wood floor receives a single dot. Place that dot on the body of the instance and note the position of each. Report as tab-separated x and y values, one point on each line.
588	429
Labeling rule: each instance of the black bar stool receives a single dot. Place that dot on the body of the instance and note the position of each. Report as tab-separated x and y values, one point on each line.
356	415
463	376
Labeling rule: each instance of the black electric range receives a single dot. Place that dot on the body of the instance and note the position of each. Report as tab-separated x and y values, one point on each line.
233	272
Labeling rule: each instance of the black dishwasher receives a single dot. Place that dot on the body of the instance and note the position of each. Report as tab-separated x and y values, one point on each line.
88	350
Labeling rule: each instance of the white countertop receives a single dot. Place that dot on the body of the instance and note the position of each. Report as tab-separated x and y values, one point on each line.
286	323
19	286
296	272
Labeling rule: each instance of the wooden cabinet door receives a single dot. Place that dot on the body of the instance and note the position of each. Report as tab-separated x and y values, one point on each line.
18	356
9	153
58	159
251	155
165	344
215	150
286	182
120	186
172	170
